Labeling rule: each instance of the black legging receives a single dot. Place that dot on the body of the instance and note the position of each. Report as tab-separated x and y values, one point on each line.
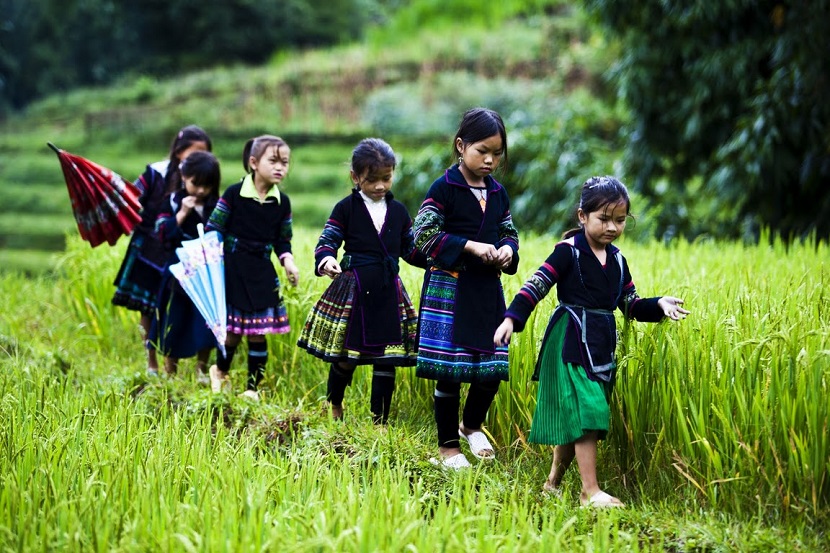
383	386
448	400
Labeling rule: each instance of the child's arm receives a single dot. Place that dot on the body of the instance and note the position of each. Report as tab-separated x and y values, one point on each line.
671	307
648	310
504	332
188	203
409	252
167	226
292	272
443	247
325	254
282	245
508	245
219	217
532	292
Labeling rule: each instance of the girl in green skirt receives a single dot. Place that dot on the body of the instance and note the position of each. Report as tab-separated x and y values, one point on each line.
576	365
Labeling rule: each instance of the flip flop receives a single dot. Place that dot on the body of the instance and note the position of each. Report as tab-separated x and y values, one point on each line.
456	462
478	442
601	500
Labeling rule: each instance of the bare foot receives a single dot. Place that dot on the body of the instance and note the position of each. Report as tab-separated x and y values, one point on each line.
549	488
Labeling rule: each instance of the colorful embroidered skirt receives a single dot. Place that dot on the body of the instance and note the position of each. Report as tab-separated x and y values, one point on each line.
438	357
268	321
138	281
325	330
568	404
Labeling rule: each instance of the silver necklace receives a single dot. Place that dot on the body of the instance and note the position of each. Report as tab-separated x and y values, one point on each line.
481	196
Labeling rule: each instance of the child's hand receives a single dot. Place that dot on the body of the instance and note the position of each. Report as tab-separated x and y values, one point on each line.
671	308
503	332
331	268
188	203
292	273
504	257
486	252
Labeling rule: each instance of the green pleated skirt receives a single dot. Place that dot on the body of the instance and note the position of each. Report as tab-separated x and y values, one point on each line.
568	403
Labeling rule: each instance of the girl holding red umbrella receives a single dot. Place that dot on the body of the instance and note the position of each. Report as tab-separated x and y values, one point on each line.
140	276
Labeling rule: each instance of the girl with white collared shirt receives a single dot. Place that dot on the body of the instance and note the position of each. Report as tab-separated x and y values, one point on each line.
365	316
254	219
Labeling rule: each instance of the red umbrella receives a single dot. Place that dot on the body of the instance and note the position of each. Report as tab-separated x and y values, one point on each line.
105	205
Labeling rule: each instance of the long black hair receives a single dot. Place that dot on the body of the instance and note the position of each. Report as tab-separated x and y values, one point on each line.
256	147
372	154
184	139
203	168
476	125
598	192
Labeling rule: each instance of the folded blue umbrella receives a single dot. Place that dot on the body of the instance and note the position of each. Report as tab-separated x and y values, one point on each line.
201	272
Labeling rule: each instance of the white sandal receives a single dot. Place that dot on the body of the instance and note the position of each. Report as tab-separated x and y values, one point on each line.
456	462
478	442
601	500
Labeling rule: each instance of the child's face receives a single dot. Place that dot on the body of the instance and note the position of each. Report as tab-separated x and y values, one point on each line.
604	225
482	157
194	147
374	184
198	191
272	167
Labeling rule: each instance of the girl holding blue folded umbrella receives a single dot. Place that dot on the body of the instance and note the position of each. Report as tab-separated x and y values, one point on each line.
181	330
140	277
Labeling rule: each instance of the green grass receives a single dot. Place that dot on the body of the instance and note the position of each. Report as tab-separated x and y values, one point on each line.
718	437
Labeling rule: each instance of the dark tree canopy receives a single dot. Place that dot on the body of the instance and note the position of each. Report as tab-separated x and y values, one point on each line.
55	45
731	95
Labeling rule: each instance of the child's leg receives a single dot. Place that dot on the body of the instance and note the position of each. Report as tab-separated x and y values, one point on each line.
152	359
223	362
202	360
171	365
479	399
340	376
585	449
257	358
586	458
563	455
219	372
447	400
383	386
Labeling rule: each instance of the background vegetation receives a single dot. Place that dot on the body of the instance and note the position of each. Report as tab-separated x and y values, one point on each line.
712	114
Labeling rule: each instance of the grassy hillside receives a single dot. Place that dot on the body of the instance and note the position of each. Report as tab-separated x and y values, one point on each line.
718	439
322	102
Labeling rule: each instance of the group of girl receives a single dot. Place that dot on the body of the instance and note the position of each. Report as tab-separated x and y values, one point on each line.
463	237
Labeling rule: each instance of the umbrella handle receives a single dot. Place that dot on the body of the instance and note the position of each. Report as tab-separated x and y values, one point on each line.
55	148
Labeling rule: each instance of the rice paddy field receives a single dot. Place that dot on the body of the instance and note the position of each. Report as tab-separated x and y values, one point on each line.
719	438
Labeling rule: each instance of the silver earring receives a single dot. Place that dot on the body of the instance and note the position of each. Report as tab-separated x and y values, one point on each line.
460	160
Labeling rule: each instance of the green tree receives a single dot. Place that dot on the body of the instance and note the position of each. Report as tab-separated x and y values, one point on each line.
732	94
53	45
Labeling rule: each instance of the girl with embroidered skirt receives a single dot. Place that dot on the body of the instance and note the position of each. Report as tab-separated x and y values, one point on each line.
365	316
576	367
465	228
139	279
181	330
254	218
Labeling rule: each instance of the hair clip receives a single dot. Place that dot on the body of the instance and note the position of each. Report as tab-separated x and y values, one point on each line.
600	181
